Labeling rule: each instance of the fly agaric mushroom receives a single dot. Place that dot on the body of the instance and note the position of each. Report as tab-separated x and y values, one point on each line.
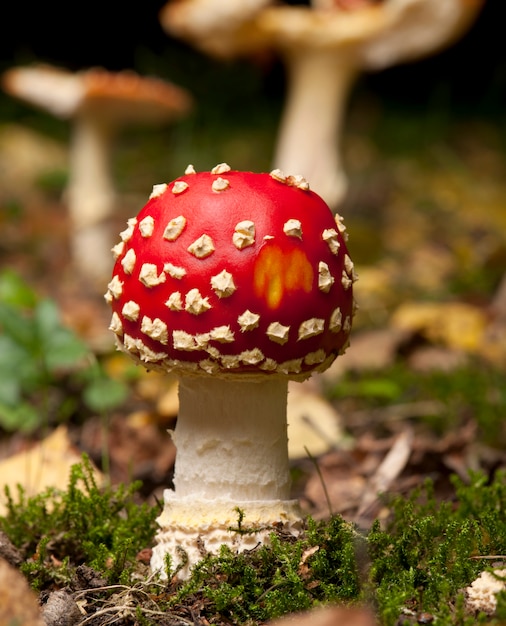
99	102
211	23
324	48
237	282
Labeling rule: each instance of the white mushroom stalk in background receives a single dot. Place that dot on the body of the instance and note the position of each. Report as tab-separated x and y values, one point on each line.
325	48
98	103
237	282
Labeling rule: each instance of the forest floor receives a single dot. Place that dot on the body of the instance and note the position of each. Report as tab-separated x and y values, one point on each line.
419	394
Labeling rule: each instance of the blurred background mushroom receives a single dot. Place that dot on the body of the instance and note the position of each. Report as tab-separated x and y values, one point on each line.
98	103
325	47
223	29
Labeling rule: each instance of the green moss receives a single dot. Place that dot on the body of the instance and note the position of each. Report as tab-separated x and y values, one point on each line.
430	550
103	528
418	563
287	575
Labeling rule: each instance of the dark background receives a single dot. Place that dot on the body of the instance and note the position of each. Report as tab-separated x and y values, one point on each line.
120	35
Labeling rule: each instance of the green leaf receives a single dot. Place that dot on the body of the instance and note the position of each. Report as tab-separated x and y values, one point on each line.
22	417
17	364
60	347
104	394
65	350
382	388
14	291
18	326
10	389
46	318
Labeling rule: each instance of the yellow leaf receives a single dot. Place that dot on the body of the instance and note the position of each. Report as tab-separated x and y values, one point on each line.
454	324
45	465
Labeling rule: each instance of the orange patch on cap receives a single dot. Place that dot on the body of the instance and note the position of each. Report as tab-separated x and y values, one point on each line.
278	272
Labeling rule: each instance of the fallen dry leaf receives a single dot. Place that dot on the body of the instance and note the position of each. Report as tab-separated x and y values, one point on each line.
389	469
454	324
336	487
369	350
18	603
137	446
45	465
168	403
330	616
314	425
436	358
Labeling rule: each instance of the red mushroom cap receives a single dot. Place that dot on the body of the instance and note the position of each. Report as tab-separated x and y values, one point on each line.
233	273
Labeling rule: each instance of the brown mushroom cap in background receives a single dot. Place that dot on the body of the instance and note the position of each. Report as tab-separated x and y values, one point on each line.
118	96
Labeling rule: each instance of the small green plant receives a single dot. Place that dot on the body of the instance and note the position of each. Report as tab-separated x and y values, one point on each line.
45	368
430	550
103	528
289	574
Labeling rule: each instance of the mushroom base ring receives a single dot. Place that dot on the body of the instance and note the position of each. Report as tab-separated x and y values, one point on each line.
190	529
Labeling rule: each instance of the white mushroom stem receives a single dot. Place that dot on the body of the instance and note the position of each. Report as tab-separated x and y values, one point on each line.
319	81
231	440
232	455
91	196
